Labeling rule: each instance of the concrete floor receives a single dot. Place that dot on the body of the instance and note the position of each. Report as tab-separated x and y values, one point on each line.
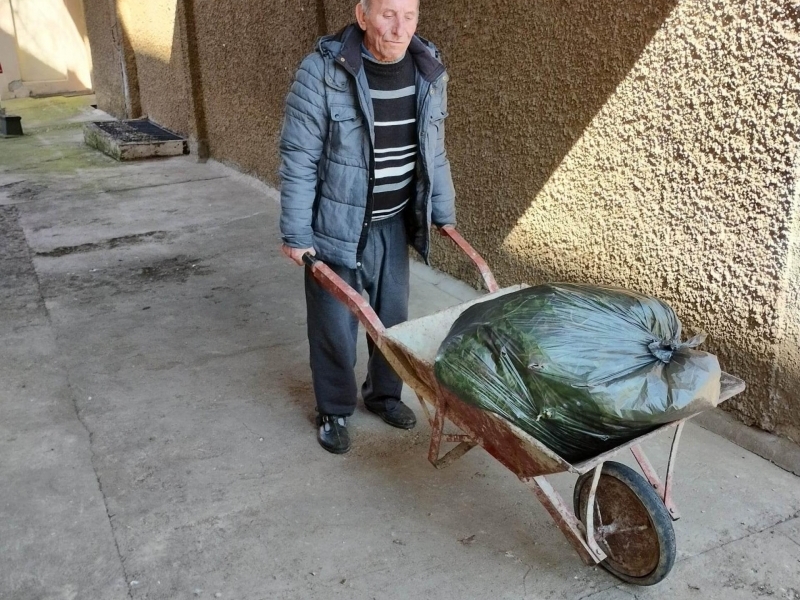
156	420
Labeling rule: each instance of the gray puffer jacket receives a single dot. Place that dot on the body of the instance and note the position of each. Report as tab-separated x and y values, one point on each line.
327	151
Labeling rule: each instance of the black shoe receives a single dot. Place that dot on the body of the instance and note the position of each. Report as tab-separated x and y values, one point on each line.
395	413
332	433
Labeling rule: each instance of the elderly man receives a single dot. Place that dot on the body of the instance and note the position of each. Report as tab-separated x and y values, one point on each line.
364	174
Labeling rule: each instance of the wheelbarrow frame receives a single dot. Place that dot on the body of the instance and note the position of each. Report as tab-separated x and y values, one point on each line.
530	460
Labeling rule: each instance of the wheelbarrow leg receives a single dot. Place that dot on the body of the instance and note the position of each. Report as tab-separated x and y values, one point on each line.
565	519
426	410
664	490
589	516
466	443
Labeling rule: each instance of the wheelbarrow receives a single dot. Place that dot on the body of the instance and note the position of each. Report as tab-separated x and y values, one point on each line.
619	519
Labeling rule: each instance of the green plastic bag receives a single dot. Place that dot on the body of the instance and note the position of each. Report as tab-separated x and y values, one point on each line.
580	368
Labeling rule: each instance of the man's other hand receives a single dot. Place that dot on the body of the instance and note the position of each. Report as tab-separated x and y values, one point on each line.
296	254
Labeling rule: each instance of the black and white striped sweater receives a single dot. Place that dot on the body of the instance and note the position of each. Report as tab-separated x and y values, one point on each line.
393	92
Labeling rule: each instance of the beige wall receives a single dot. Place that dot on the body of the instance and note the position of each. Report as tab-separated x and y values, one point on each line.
642	144
154	37
44	48
104	31
782	414
247	60
648	144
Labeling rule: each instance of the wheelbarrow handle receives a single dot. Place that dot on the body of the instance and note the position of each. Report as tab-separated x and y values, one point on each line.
309	259
488	278
345	293
355	302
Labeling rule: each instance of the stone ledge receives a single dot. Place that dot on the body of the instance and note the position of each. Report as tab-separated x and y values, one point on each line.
133	140
780	451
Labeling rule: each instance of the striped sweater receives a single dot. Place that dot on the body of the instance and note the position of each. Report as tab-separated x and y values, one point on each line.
393	93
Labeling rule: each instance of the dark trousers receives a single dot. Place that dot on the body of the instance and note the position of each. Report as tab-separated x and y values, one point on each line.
333	330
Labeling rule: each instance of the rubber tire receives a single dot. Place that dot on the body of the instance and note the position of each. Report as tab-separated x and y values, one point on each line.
656	511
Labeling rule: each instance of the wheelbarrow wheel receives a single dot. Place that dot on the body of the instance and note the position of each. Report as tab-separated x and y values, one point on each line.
631	524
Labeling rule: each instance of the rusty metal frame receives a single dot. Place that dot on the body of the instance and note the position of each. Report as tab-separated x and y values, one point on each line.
668	485
488	278
565	519
425	409
465	442
664	490
342	291
589	514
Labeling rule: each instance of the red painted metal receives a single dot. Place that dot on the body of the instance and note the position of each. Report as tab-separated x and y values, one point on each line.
589	516
564	518
425	409
664	491
466	442
486	272
342	291
668	502
436	433
520	453
454	454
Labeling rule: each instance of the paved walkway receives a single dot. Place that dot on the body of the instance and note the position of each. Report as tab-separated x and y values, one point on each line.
156	420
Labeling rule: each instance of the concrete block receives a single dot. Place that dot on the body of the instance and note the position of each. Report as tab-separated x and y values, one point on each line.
10	125
134	139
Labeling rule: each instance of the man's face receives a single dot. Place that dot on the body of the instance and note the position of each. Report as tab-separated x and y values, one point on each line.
388	27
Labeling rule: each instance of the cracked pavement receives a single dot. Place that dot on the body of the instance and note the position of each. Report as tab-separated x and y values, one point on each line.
156	420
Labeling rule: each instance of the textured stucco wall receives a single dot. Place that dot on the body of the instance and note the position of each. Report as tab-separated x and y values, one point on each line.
637	143
106	71
642	143
785	391
338	13
247	61
678	186
155	38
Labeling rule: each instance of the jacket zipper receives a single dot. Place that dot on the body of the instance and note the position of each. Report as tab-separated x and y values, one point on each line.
423	140
422	127
362	240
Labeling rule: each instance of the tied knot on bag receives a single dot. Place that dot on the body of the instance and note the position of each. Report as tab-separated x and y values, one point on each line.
664	349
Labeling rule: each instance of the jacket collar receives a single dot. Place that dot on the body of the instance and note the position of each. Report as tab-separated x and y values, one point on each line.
345	47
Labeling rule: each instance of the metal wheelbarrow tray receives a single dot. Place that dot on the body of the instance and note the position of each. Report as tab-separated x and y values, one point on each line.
619	519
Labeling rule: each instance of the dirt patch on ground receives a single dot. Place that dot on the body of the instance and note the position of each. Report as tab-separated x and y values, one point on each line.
23	190
381	441
301	393
124	278
126	240
178	268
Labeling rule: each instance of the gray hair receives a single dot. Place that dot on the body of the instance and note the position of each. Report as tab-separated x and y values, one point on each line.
365	5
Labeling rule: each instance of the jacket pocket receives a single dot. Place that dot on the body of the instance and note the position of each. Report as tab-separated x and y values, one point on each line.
437	118
347	132
335	76
436	127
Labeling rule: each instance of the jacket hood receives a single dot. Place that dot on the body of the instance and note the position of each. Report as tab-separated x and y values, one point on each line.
345	48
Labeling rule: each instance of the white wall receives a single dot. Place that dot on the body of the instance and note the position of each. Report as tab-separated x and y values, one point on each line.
44	48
